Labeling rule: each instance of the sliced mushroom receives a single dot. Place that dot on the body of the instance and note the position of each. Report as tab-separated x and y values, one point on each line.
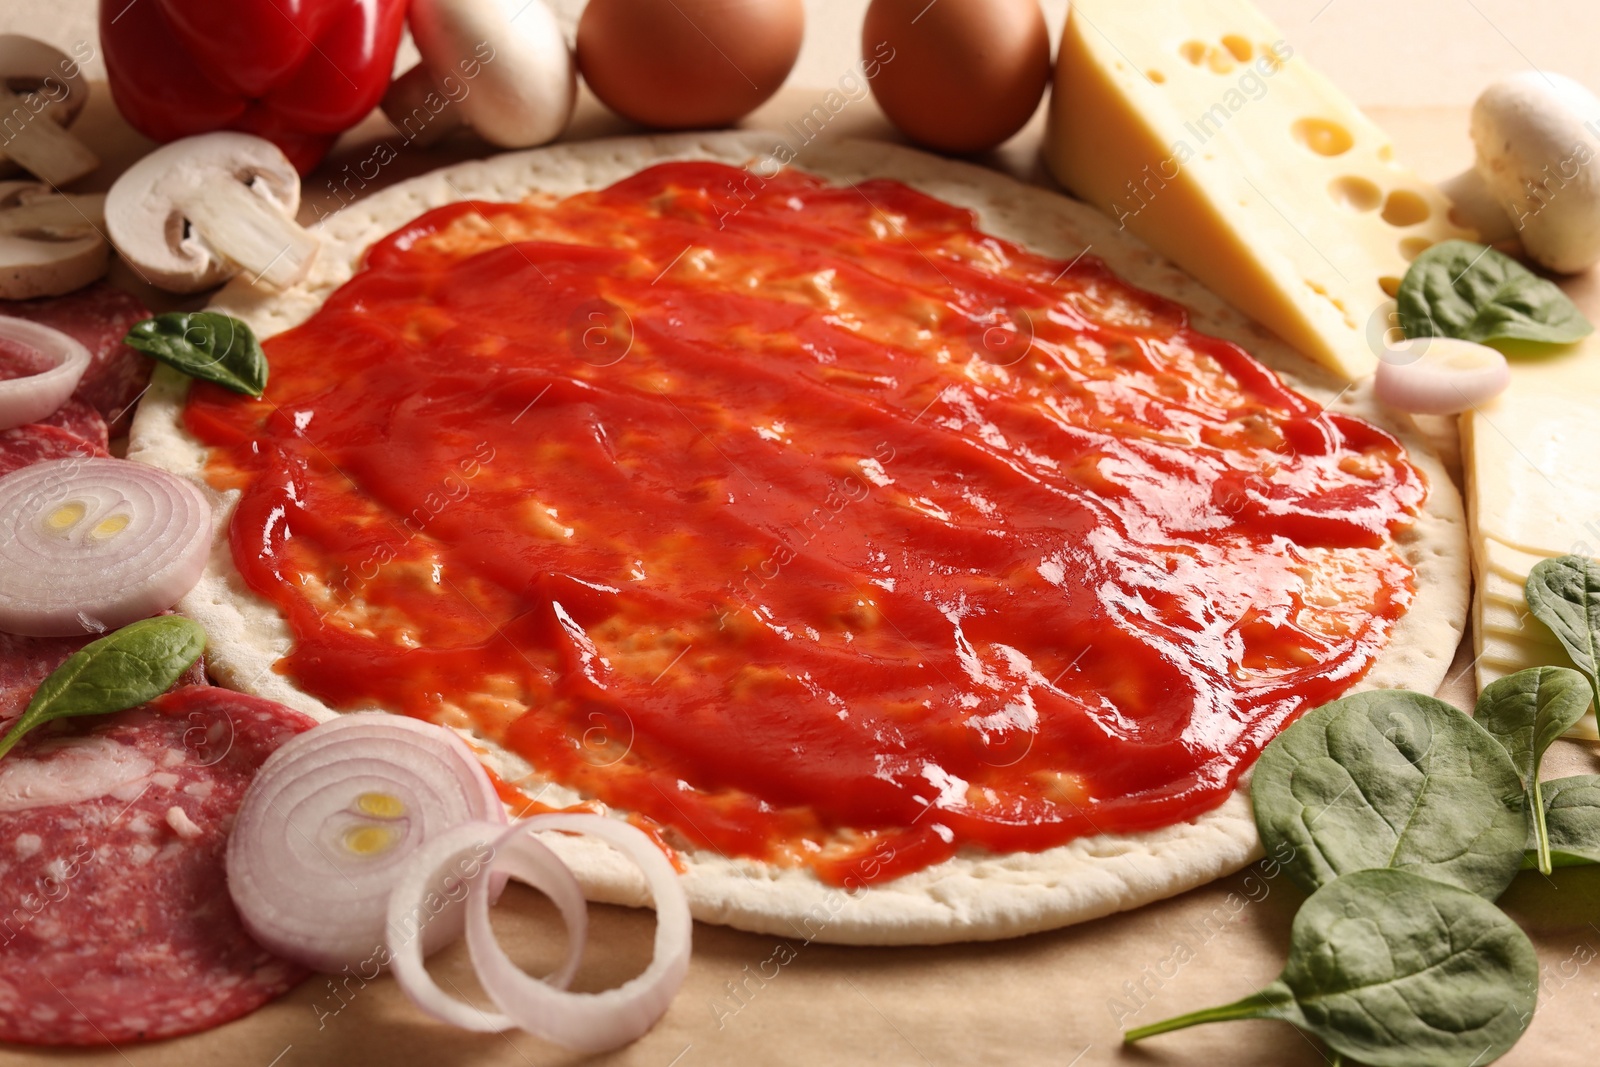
1537	175
501	67
39	82
50	243
195	212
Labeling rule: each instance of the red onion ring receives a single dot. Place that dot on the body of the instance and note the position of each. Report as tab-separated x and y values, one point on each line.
587	1022
1440	375
91	544
31	398
536	866
328	826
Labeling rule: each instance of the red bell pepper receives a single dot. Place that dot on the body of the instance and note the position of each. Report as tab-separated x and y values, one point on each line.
297	72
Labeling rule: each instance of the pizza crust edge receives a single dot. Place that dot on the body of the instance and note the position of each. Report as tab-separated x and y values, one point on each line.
974	895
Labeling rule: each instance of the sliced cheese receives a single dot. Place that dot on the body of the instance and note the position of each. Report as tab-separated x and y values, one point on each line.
1530	497
1195	124
1502	563
1532	453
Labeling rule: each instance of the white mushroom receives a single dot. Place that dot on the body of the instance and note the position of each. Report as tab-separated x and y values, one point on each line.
197	211
1538	169
50	243
38	81
501	67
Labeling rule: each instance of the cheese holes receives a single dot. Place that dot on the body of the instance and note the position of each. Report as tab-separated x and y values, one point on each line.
1412	247
1355	193
1323	136
1405	208
1390	285
1224	60
1156	76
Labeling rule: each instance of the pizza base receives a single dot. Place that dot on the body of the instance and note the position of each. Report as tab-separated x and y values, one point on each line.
975	895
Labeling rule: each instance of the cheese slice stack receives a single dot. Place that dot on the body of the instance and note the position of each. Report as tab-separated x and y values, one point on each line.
1531	496
1195	125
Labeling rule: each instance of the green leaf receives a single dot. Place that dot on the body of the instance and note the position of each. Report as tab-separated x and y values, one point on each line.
1391	779
1564	594
1526	712
204	344
1572	816
1396	970
121	670
1470	291
1273	1002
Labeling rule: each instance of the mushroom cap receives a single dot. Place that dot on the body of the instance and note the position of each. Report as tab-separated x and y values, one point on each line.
1538	147
43	264
31	66
527	83
144	218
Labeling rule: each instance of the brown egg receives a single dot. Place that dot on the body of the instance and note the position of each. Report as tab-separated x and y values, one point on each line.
679	64
964	74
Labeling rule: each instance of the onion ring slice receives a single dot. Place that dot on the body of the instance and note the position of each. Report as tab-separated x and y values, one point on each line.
587	1022
527	860
328	826
1439	375
91	544
31	398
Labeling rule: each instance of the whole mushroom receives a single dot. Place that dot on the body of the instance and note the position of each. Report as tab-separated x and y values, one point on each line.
195	212
1537	176
501	67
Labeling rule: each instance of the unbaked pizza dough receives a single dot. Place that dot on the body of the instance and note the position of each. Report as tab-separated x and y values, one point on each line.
975	895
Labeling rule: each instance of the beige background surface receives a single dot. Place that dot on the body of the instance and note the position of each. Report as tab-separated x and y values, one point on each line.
1059	998
1418	52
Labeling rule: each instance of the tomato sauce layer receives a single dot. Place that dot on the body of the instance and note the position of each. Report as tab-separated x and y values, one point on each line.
807	522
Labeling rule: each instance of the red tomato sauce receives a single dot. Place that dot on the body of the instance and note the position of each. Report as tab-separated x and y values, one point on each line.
807	522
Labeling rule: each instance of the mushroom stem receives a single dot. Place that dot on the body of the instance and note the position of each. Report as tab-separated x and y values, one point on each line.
56	214
40	146
1476	207
419	110
249	231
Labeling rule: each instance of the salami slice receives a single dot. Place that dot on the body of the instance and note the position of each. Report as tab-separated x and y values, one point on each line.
23	446
118	925
19	361
99	316
80	420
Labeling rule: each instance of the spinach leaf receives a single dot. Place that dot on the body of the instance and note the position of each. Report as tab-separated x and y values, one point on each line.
1466	290
204	344
1564	594
1396	970
1572	816
1526	712
1391	779
121	670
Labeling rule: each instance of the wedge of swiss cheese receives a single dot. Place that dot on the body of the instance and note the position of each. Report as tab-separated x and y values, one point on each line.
1195	124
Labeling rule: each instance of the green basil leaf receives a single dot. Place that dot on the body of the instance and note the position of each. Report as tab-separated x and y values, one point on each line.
1396	970
1466	290
1564	594
1526	712
1391	779
204	344
121	670
1572	817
